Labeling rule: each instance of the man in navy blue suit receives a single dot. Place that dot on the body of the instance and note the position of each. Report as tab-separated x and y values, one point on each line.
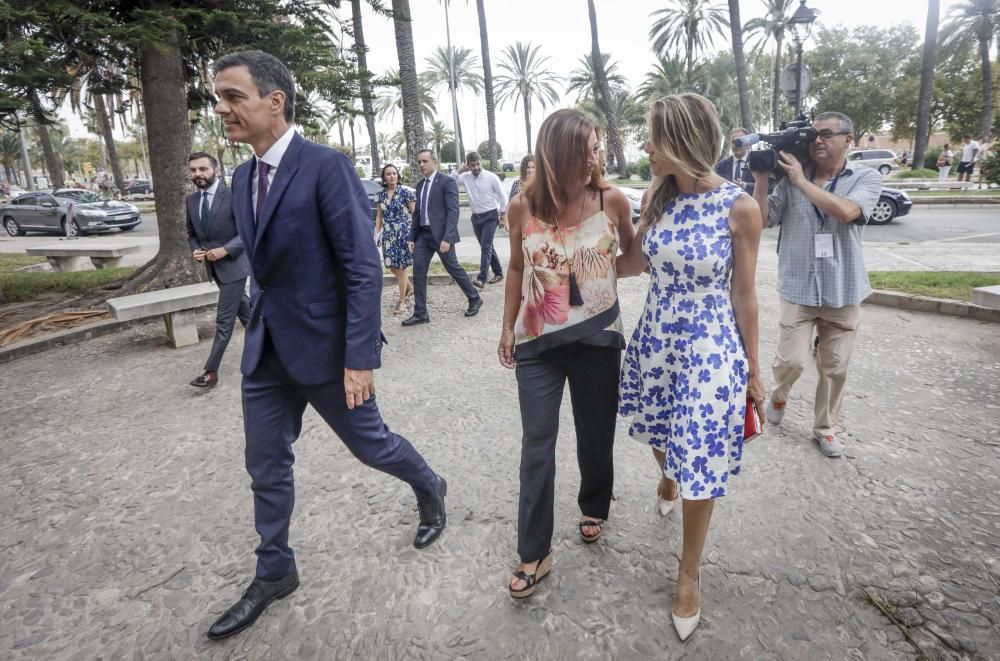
735	168
314	334
434	230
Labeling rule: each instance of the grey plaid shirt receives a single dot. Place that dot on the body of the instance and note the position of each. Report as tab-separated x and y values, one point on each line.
835	281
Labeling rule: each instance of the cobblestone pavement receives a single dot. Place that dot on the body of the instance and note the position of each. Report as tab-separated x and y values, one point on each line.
127	522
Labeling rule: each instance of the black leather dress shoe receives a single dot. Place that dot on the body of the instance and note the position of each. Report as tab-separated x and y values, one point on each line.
474	307
414	320
255	599
432	517
206	380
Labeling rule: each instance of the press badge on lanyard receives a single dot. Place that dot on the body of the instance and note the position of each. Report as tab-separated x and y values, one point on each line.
824	240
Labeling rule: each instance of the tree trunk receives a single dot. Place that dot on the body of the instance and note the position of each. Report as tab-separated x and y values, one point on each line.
775	83
984	56
491	118
366	89
926	84
527	121
220	155
52	163
104	122
413	121
736	30
161	71
606	104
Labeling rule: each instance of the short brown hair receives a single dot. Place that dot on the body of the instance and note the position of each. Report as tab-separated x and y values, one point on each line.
560	156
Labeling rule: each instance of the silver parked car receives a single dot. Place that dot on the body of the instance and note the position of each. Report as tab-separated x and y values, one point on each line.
46	211
882	160
634	197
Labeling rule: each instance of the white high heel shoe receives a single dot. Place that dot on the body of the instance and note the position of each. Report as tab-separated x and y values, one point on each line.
685	626
664	505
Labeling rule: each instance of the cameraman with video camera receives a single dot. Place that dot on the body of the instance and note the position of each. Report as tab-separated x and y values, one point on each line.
822	209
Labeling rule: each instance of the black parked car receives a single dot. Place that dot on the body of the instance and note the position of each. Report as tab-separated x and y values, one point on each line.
139	187
892	204
372	188
508	167
45	211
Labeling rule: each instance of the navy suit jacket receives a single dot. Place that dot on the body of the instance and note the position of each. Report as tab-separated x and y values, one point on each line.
443	206
316	275
724	169
221	233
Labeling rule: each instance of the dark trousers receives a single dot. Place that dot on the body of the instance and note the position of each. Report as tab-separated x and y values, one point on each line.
592	373
485	227
272	412
424	249
233	304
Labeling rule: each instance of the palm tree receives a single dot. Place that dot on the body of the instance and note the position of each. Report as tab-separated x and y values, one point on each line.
439	134
926	84
526	77
736	31
973	24
366	91
772	26
390	99
491	117
604	97
10	151
693	24
411	103
384	141
466	75
52	163
667	77
583	82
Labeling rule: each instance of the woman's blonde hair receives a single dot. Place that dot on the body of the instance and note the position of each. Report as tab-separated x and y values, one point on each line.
684	129
560	158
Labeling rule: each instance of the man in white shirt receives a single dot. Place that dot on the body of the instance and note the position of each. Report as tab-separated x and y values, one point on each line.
970	149
485	197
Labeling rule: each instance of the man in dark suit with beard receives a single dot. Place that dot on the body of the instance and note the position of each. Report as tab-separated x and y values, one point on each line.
734	168
214	240
434	230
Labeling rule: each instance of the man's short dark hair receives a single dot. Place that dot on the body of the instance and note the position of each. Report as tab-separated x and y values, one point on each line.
204	154
845	122
966	137
267	72
428	151
472	157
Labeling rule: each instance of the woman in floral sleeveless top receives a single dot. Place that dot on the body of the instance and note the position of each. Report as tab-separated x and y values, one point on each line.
692	360
561	323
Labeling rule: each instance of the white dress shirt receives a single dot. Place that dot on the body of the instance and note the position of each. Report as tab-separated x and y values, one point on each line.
425	194
484	191
273	158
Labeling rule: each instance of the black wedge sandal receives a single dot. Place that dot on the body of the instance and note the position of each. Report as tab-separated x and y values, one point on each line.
531	580
591	523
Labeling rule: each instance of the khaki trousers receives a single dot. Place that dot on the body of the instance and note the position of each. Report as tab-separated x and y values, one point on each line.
836	328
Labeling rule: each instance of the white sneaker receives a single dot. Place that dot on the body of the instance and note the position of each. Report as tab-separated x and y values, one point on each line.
829	444
774	411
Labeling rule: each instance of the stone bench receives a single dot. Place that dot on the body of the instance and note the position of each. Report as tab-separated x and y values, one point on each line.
69	257
987	297
177	305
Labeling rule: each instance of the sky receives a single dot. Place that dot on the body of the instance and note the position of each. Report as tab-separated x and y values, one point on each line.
562	28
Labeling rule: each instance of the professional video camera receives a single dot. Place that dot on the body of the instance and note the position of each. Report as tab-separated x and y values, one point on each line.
793	137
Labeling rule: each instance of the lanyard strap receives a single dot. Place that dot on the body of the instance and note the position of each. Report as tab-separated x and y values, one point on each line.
833	187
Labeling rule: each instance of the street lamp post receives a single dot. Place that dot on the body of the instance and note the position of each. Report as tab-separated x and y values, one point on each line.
800	24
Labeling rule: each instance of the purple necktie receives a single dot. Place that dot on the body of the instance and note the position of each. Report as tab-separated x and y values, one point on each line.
262	171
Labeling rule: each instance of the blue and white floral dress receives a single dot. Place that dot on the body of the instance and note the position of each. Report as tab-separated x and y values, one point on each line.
684	377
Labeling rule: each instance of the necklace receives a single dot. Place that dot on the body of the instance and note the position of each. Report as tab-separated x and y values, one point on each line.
575	299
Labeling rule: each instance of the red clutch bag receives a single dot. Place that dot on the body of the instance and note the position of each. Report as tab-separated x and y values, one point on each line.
753	424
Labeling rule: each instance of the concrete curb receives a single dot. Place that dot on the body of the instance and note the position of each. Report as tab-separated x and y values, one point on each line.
932	305
107	326
68	337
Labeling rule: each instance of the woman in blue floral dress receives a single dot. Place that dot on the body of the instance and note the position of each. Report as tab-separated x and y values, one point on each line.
395	208
692	360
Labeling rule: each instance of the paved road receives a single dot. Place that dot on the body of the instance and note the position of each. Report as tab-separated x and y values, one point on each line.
127	525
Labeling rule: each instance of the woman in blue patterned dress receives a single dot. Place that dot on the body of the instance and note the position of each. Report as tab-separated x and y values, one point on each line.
692	360
395	207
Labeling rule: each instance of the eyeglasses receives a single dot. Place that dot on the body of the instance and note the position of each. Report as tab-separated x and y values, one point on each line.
826	134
